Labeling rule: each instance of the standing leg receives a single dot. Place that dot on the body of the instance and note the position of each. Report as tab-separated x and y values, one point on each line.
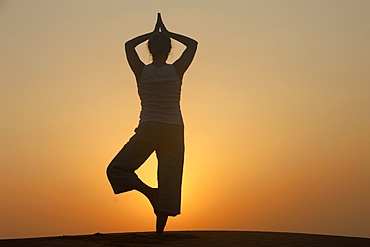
161	223
170	156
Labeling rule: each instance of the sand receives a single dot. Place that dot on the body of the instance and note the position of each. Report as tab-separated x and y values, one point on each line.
194	238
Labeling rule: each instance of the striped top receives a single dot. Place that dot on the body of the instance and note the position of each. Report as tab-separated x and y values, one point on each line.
159	90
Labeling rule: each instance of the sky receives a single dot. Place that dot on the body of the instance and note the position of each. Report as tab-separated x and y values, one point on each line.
276	108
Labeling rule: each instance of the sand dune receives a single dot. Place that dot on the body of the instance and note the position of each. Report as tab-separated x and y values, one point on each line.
194	238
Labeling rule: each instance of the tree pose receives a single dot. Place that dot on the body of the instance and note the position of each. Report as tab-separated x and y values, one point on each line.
161	126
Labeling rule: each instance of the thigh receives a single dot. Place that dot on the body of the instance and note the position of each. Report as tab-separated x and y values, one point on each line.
137	150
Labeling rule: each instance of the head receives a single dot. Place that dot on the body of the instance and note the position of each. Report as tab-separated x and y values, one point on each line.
159	44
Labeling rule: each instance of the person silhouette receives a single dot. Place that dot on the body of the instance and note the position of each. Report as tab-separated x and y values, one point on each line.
161	126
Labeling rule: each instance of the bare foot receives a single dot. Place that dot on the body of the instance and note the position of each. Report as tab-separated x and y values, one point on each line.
159	235
149	192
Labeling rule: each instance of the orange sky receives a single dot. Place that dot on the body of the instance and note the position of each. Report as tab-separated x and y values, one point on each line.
276	108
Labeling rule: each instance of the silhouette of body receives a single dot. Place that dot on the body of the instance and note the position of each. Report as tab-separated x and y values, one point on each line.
160	127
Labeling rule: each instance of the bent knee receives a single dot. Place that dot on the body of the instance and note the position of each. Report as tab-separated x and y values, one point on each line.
111	170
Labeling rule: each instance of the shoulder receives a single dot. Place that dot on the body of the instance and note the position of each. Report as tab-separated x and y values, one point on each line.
144	71
172	68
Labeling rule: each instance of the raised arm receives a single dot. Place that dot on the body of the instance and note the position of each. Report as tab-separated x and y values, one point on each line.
133	59
183	63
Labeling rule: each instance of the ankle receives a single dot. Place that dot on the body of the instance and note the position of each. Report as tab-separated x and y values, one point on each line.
161	222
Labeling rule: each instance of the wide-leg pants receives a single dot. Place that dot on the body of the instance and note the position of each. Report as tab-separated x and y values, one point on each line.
167	140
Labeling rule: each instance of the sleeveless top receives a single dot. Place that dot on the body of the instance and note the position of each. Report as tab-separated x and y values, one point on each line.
159	89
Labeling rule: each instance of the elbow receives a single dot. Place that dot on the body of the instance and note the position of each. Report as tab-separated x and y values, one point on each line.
129	45
194	44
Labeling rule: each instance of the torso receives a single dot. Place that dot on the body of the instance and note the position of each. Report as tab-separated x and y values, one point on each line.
159	90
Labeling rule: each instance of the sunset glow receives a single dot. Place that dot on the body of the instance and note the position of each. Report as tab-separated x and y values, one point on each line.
276	108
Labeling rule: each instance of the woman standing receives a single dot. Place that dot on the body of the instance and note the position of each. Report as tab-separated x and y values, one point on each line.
161	127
